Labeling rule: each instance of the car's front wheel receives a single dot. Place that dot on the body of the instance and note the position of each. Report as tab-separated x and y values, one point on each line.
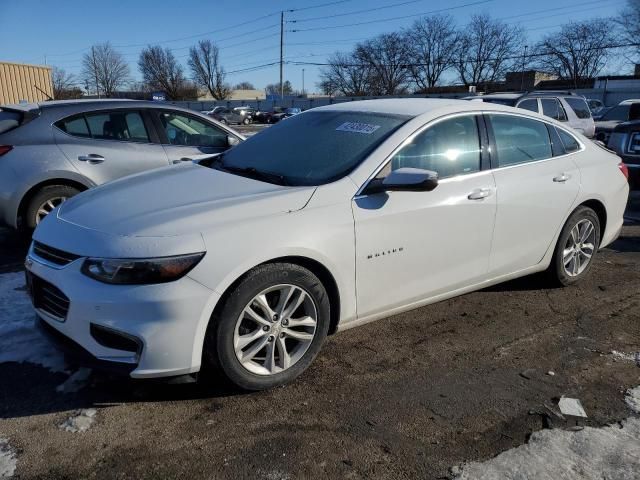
45	201
270	328
577	245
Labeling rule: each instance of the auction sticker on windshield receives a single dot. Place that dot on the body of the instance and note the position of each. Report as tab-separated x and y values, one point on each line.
356	127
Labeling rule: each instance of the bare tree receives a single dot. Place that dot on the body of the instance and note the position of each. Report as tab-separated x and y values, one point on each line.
274	88
433	42
387	56
245	86
578	50
104	69
488	49
161	71
346	75
629	20
204	61
64	85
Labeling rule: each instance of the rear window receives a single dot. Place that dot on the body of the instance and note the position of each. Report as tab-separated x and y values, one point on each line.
579	106
9	120
120	125
552	108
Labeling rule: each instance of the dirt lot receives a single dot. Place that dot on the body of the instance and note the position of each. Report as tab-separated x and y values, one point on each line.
406	397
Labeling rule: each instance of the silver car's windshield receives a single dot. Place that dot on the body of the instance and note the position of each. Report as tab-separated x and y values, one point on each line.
311	148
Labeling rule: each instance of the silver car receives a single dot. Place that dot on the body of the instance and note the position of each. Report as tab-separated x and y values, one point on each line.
51	151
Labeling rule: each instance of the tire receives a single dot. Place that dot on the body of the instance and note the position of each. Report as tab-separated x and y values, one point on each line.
569	273
224	121
44	199
231	323
246	121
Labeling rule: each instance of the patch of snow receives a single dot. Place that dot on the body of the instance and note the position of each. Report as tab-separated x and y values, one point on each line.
20	341
80	420
629	357
588	454
632	399
8	460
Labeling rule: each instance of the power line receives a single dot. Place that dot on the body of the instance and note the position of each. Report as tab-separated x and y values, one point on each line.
470	4
356	12
513	57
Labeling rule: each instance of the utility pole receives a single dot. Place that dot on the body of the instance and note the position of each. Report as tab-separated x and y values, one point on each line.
524	60
281	53
303	81
95	69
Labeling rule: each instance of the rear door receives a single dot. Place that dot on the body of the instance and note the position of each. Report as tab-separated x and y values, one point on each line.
108	144
183	135
535	190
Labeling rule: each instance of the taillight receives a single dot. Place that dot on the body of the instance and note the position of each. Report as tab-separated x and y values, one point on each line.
5	149
624	169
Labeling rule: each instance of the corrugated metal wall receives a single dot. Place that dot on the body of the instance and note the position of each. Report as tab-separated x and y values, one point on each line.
18	83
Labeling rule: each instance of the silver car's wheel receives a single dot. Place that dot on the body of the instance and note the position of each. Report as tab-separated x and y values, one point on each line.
275	329
577	244
579	248
47	207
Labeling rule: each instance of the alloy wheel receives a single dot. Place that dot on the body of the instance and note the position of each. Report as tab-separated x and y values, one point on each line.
579	248
47	207
275	329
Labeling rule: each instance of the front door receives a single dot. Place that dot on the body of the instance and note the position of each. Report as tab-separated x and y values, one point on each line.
412	246
105	145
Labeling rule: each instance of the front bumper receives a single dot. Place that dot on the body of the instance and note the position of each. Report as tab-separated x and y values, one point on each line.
168	319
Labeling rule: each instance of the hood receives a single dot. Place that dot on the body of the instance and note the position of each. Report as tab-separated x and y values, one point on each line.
178	200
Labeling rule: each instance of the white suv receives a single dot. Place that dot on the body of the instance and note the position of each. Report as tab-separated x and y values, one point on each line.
562	106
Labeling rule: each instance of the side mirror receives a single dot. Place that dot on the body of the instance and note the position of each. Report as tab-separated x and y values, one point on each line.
231	140
404	180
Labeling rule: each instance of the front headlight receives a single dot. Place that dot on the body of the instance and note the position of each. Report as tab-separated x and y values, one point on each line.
137	271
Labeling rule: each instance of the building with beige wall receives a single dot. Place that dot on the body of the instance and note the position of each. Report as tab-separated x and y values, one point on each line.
22	82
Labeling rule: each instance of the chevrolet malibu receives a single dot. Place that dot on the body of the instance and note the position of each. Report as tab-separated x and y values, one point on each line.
341	215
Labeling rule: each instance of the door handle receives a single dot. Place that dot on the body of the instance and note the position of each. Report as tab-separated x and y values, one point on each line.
480	193
92	158
563	177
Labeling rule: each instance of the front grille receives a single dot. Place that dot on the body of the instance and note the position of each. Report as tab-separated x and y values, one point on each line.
48	297
53	255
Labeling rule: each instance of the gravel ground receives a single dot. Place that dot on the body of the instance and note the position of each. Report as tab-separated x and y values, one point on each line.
410	396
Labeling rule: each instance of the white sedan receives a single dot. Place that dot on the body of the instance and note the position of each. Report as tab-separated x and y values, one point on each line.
339	216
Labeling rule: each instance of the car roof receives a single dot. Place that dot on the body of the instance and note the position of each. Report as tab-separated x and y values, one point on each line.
410	106
504	96
631	100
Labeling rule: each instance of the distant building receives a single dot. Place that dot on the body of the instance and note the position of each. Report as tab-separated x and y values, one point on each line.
527	80
237	95
20	82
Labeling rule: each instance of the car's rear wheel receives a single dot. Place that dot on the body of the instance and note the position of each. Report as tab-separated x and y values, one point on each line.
43	202
246	121
576	247
270	328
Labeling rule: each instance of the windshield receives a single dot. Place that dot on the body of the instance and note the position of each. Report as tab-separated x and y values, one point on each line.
313	148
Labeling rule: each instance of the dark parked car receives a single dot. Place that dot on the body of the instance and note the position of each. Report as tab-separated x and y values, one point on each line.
625	141
280	113
50	151
625	112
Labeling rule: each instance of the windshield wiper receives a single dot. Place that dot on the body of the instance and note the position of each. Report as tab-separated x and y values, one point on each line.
250	172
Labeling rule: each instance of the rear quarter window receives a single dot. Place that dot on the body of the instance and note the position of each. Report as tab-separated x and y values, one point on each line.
568	141
579	107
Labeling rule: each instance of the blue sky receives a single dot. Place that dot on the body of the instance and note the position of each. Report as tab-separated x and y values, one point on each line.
63	30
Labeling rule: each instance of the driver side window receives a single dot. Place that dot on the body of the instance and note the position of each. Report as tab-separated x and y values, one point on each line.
450	147
189	131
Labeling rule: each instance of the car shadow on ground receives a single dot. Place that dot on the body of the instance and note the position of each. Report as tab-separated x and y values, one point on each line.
28	389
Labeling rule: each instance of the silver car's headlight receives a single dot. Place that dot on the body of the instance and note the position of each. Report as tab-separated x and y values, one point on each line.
128	271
